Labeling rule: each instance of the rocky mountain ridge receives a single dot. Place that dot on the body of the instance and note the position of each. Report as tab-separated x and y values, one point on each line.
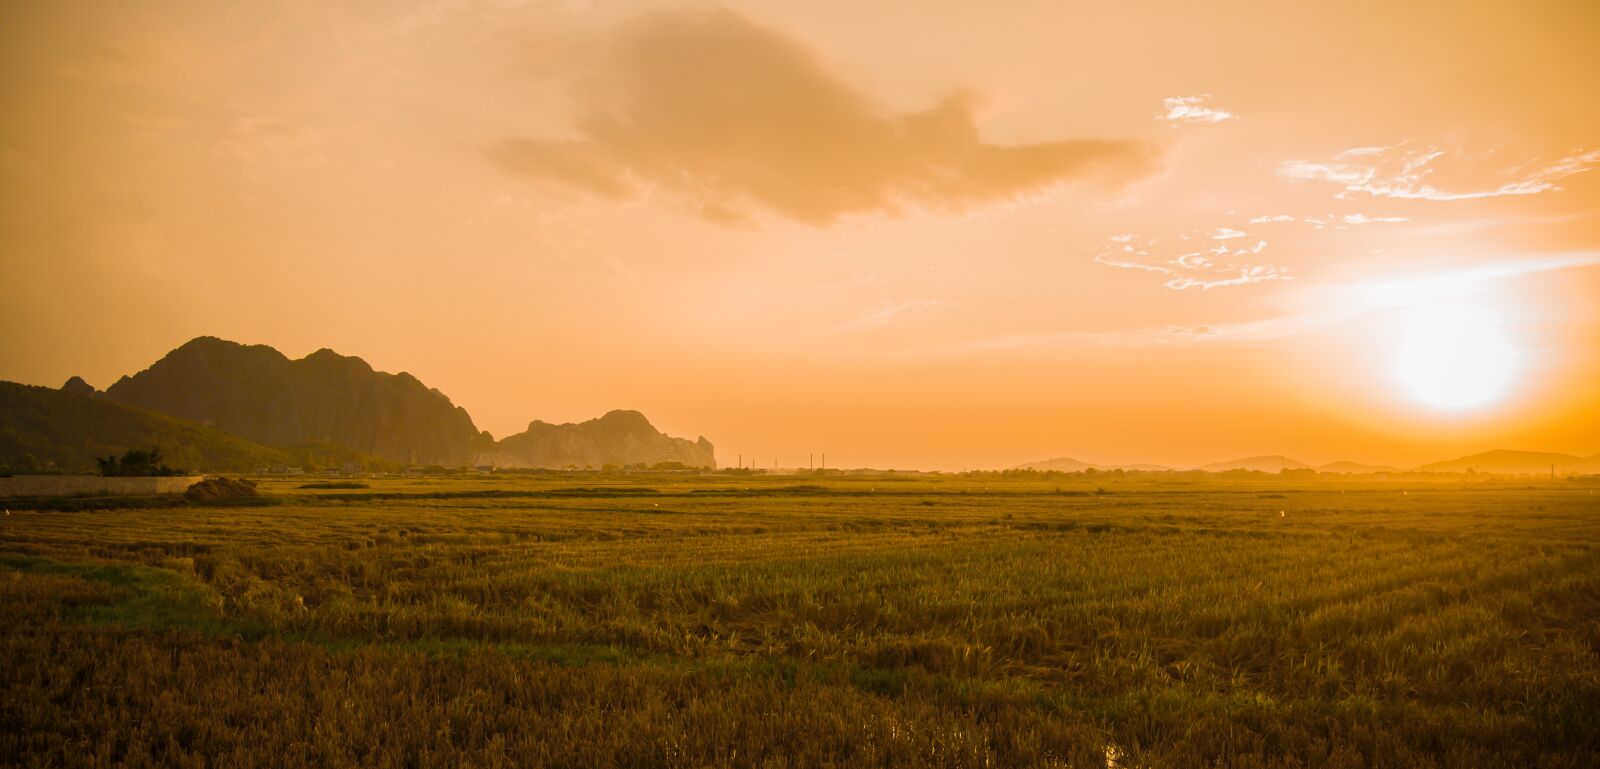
617	438
258	393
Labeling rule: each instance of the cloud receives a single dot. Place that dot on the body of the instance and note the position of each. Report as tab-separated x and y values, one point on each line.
1489	222
1221	265
1429	173
1272	219
886	313
1193	109
1124	264
727	117
1364	219
1337	304
1331	306
1246	275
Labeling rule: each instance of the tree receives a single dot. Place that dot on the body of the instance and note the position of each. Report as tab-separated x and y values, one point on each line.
135	463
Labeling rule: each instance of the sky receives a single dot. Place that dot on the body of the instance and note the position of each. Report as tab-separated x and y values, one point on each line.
922	234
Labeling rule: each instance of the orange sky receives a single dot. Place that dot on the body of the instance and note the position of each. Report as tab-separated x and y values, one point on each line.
910	234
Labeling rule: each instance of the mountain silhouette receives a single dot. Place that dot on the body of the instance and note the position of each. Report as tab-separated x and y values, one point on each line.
65	430
261	395
618	438
1266	464
257	393
1508	462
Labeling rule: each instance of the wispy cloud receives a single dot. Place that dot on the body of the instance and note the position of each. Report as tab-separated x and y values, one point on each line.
1331	306
886	313
1489	222
1224	264
1335	305
1364	219
1246	275
1429	173
726	118
1194	109
1112	261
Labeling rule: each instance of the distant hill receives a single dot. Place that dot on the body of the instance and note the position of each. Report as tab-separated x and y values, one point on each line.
618	438
1060	465
1265	464
45	429
1355	468
1069	465
1505	462
324	398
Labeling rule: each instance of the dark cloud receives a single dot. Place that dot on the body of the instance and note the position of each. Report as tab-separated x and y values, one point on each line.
728	116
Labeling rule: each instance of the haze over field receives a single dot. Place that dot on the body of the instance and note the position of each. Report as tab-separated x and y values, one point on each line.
911	384
908	234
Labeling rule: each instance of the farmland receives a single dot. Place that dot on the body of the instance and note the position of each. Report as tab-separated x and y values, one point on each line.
909	620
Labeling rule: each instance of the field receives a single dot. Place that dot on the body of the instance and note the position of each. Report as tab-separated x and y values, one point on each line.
895	621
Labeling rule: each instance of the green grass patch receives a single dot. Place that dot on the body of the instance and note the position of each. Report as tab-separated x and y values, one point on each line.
148	598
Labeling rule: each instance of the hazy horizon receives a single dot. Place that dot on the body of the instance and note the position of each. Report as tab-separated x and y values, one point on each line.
908	235
815	458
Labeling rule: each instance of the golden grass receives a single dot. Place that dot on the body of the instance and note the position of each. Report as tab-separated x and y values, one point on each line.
888	621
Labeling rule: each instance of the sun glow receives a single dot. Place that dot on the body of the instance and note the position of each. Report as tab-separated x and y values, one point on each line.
1455	357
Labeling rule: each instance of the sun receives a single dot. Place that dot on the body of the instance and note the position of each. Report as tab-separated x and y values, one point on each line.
1455	357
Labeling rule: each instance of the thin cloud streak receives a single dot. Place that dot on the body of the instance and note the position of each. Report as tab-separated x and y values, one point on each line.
1351	300
885	314
1402	174
1258	273
1128	265
1364	219
1214	267
1193	109
1336	305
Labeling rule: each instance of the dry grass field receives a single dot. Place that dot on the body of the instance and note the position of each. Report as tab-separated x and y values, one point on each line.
904	621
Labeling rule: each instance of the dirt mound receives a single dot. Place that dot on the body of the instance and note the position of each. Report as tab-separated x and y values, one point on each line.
213	489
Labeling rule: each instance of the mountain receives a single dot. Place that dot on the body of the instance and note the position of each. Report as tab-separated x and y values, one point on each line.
45	429
77	386
618	438
1265	464
1355	468
324	398
1504	462
1070	465
1059	464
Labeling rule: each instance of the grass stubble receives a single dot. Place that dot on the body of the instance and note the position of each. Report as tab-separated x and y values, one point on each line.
772	622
